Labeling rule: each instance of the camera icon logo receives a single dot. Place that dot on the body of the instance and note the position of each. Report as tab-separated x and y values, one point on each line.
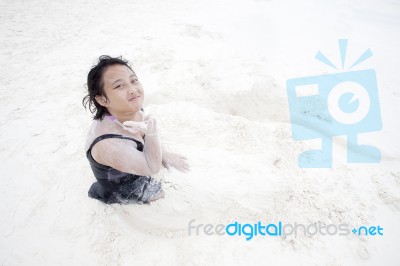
325	106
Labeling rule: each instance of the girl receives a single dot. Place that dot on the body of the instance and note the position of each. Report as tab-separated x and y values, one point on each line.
122	146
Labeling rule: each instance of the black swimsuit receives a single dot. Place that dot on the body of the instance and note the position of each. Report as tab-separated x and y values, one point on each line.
113	186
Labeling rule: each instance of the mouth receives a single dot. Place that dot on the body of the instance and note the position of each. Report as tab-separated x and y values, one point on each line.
134	98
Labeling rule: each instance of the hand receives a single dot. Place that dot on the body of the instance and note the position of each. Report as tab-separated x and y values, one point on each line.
148	127
151	129
175	160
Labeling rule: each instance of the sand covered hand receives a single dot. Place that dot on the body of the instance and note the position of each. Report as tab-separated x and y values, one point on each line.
175	160
148	127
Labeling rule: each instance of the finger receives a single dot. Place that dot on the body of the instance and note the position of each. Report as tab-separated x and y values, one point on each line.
177	155
152	126
147	117
132	130
129	123
166	165
176	158
133	124
186	167
149	124
180	169
181	161
182	157
183	168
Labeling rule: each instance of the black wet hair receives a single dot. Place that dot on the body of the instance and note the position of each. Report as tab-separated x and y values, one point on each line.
95	86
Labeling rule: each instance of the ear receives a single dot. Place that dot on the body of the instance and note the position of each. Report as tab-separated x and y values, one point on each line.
101	100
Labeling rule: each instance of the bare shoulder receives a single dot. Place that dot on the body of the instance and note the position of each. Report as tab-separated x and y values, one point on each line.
98	128
104	150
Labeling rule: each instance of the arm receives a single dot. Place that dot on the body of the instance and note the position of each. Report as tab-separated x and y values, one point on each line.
164	154
153	153
168	159
123	156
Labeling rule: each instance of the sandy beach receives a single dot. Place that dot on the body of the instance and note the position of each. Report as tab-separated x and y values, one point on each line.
214	75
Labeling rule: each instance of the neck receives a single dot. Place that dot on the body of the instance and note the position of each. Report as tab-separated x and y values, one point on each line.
122	117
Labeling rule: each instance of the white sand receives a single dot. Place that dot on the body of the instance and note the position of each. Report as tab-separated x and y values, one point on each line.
214	74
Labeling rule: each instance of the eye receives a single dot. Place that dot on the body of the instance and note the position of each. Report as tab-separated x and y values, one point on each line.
119	86
134	81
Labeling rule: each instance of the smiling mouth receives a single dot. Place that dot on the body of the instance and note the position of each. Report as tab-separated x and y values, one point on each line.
134	98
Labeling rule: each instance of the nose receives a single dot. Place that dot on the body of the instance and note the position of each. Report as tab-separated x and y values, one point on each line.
133	89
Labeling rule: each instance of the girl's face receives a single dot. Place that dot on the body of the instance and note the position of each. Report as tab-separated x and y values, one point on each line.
123	89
